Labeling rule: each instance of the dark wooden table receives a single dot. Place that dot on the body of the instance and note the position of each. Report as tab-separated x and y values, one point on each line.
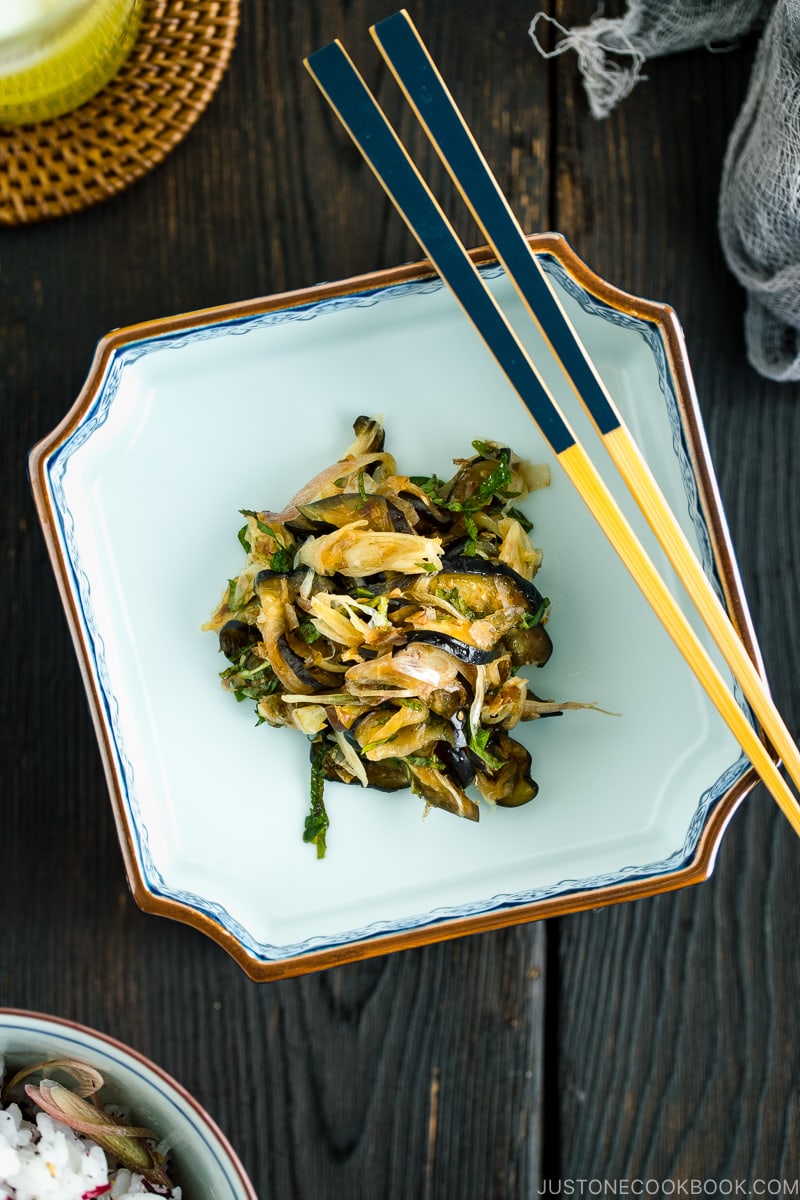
656	1041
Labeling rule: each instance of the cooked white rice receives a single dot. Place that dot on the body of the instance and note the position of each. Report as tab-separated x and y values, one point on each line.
45	1160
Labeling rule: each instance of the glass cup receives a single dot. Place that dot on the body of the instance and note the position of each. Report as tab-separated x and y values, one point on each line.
56	54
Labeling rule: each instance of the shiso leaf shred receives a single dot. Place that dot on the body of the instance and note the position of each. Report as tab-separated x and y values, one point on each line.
478	745
317	821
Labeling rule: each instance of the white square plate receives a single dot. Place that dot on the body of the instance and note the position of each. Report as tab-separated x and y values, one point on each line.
184	422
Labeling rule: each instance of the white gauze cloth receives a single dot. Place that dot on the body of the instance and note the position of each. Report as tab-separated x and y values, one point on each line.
759	211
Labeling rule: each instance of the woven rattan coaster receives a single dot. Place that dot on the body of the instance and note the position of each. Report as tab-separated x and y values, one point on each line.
67	164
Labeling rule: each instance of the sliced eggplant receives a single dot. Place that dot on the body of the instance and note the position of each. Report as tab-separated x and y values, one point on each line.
528	647
510	785
439	790
460	650
303	527
389	775
333	512
380	732
462	564
457	762
237	636
370	435
268	576
466	484
295	664
318	680
446	701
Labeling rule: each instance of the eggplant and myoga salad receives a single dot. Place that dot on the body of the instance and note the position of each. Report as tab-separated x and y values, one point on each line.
387	617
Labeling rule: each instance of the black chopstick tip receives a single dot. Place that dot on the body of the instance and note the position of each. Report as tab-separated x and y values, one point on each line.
401	16
334	48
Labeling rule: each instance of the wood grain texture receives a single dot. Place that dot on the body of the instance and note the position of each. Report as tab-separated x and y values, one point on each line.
419	1075
678	1053
654	1040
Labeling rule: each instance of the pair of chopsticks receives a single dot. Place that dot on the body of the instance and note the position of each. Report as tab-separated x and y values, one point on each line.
346	92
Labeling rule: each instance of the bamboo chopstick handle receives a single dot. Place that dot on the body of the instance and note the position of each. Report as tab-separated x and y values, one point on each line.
584	475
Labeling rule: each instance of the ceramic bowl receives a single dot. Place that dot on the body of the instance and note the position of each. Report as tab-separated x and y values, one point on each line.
203	1163
184	422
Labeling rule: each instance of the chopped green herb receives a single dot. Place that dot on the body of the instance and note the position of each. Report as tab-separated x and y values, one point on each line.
429	484
493	484
264	528
251	674
250	683
243	541
362	491
453	596
243	600
433	762
281	561
471	546
378	742
478	742
495	481
309	632
380	604
528	620
317	821
520	516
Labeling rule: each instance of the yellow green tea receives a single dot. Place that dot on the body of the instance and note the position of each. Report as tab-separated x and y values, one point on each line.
56	54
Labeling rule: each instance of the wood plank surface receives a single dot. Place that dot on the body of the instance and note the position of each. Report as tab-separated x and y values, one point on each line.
654	1040
679	1057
